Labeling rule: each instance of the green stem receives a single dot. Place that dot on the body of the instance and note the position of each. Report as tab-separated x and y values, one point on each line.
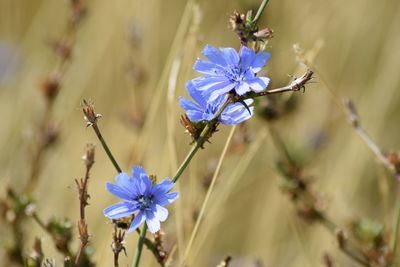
108	151
139	248
259	11
200	141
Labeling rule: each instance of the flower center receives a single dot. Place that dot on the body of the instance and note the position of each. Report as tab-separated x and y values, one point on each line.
234	73
144	202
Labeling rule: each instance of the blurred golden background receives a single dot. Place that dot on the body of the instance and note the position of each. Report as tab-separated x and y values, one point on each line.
132	59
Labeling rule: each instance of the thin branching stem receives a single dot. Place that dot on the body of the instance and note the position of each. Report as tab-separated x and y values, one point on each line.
105	146
200	141
347	245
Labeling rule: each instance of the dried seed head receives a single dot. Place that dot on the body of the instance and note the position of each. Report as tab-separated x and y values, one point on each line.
90	116
118	241
61	47
299	83
51	134
50	86
341	237
88	158
237	21
78	11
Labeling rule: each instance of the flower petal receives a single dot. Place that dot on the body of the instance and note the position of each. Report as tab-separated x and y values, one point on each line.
152	221
260	60
119	210
161	213
139	219
219	89
125	182
143	184
188	105
247	56
206	67
137	172
231	56
204	83
237	106
259	83
119	192
213	55
172	196
196	94
195	115
242	88
237	117
166	199
163	187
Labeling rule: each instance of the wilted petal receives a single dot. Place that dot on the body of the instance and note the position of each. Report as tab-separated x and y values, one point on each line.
119	210
139	219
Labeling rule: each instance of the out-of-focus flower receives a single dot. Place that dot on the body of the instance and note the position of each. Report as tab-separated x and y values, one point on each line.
228	70
204	110
139	195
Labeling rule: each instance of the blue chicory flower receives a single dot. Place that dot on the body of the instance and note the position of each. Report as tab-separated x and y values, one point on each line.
139	195
205	110
229	70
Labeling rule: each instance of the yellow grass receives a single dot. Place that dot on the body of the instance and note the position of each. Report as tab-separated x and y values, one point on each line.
247	216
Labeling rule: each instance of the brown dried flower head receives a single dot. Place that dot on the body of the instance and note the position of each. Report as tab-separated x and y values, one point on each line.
90	116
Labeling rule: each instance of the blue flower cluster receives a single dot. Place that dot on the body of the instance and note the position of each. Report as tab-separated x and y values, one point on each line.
139	195
227	70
